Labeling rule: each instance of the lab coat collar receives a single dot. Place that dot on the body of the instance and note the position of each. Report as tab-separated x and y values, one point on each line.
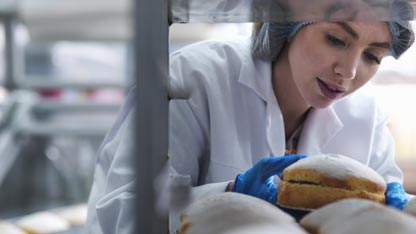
320	127
255	73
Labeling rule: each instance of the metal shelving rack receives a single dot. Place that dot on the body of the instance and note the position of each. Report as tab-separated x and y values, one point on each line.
8	16
72	23
151	73
35	14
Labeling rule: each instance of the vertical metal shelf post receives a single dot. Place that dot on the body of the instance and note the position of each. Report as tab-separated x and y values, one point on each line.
13	57
151	71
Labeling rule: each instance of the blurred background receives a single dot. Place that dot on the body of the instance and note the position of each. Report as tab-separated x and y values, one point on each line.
65	67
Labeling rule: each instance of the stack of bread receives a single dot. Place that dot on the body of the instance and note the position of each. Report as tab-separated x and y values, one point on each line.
343	195
322	179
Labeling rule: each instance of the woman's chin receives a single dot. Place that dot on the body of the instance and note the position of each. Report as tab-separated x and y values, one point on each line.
321	104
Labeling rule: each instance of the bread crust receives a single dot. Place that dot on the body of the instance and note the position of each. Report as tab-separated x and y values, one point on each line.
311	196
312	176
325	178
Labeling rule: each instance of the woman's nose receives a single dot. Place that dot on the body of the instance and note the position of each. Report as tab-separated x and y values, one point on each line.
346	67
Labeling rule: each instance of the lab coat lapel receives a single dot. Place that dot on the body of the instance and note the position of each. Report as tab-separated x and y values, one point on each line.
320	127
256	75
275	128
259	81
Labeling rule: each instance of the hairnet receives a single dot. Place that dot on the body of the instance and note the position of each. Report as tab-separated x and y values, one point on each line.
400	28
270	37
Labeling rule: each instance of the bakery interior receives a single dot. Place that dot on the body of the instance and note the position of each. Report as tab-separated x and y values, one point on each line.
66	68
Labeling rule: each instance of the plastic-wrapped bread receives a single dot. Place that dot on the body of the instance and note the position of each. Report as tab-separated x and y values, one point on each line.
42	223
360	217
322	179
224	212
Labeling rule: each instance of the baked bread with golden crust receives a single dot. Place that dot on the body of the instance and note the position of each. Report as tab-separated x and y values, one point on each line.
322	179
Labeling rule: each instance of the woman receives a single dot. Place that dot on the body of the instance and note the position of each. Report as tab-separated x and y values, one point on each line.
251	104
304	101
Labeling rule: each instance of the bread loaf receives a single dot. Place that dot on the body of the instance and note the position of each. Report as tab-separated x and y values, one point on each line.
410	208
358	216
321	179
222	213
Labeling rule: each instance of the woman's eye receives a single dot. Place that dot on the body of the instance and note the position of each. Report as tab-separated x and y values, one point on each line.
372	58
335	41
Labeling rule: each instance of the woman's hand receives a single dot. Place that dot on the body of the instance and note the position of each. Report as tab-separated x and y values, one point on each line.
258	180
395	195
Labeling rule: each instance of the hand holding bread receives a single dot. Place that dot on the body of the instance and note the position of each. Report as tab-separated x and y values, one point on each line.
395	195
258	180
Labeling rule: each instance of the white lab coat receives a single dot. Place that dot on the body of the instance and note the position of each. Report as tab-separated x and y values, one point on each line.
231	121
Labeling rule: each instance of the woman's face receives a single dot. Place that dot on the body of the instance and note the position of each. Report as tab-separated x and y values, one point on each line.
331	60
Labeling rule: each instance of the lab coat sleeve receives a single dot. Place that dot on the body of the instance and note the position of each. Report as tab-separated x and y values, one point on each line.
110	209
189	119
383	152
189	152
186	145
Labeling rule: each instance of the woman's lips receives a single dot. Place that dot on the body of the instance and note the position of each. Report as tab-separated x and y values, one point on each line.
330	91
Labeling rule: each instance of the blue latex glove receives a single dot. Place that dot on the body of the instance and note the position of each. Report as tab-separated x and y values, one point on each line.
395	195
258	180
